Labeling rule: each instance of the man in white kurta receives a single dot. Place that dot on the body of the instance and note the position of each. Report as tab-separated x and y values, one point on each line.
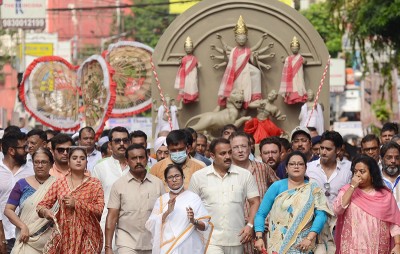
112	168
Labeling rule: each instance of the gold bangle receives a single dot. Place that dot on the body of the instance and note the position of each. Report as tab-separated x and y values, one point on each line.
309	239
352	186
107	247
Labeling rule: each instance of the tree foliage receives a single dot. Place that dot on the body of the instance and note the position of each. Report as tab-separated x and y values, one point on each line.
381	111
148	23
320	17
373	28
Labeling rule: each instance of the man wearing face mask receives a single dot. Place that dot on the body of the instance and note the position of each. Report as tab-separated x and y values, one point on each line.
178	154
390	153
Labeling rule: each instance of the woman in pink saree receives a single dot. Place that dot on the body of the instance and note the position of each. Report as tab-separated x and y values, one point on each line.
368	217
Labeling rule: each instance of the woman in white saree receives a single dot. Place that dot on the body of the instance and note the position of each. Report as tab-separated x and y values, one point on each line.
32	232
179	222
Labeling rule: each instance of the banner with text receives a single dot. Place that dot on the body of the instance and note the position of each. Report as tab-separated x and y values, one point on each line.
28	14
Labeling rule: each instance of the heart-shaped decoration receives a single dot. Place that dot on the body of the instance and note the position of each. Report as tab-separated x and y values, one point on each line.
50	93
133	75
98	92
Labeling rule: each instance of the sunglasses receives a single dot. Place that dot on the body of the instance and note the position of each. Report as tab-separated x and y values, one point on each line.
123	140
25	147
327	187
62	149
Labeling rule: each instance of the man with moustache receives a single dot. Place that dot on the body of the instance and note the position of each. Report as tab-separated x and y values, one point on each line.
13	167
112	168
331	175
262	173
390	153
271	151
224	188
132	199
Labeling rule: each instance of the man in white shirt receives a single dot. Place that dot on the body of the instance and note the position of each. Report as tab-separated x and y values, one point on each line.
224	188
112	168
3	242
87	138
12	168
36	139
390	153
331	175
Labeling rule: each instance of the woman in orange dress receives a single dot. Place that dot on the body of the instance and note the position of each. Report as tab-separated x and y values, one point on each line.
81	199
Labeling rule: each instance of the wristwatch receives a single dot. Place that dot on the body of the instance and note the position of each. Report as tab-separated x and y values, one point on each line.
258	237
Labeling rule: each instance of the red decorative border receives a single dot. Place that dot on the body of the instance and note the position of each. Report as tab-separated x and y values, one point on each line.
21	92
105	54
127	114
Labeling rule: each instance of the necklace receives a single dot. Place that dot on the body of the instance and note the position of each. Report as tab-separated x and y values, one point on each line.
72	183
41	182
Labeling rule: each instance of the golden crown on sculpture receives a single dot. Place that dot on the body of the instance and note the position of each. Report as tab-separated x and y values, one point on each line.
188	42
295	42
240	27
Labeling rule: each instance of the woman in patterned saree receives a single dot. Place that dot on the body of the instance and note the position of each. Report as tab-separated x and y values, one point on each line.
368	216
298	211
81	200
32	232
179	222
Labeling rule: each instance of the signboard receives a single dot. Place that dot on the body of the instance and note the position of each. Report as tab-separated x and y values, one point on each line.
39	44
349	128
37	49
337	75
29	14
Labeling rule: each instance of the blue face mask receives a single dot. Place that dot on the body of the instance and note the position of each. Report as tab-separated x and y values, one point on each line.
178	157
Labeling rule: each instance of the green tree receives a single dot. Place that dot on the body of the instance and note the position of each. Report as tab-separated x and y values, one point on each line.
148	23
373	22
320	17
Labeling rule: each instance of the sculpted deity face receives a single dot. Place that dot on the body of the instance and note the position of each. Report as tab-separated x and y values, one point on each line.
310	94
295	49
272	95
167	100
241	39
189	48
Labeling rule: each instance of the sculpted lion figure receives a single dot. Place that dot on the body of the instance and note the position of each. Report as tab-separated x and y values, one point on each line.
215	120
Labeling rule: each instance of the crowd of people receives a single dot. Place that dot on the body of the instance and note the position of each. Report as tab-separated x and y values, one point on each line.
306	194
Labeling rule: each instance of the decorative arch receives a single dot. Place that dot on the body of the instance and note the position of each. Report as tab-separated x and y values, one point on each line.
207	18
